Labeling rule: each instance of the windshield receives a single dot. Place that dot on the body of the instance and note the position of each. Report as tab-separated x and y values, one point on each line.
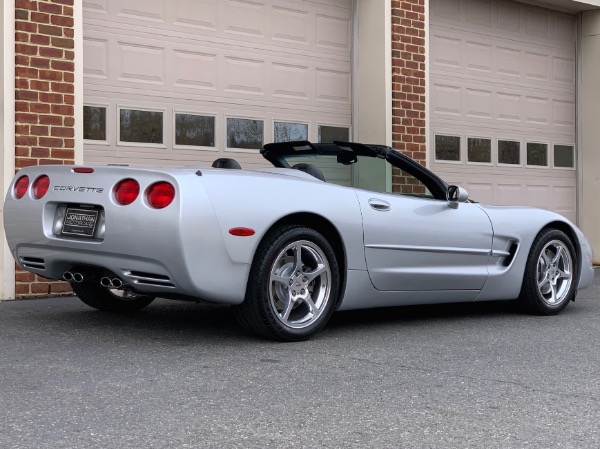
367	173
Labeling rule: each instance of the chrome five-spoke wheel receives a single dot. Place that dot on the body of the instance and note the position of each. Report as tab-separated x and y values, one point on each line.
554	272
293	285
300	285
551	274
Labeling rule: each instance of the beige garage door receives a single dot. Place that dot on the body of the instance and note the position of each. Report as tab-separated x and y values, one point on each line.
183	82
502	102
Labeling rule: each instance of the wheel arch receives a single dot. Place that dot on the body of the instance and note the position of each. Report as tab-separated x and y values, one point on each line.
568	230
329	231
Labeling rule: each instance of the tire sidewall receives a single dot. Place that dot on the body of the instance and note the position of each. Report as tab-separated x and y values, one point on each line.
530	294
262	271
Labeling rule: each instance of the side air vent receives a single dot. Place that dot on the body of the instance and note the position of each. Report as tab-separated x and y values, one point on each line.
511	255
159	280
35	263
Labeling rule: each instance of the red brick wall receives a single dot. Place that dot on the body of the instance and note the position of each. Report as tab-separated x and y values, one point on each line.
44	100
408	82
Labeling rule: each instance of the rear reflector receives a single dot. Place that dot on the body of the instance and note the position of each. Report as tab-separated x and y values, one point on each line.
83	170
242	232
160	194
40	186
126	191
21	187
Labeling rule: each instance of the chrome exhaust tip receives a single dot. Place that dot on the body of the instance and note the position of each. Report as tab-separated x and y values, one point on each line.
117	283
68	276
106	282
77	277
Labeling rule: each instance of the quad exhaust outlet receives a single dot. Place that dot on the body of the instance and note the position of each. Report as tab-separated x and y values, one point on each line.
111	283
73	277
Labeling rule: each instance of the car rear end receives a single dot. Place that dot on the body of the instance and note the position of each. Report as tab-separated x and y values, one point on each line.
120	226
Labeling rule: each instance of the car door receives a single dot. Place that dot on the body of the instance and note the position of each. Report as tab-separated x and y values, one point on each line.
419	243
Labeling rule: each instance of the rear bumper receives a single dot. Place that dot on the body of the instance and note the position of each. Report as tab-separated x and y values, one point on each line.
586	276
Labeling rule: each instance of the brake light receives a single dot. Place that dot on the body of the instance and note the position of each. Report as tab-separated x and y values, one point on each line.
83	170
40	186
160	194
126	191
21	187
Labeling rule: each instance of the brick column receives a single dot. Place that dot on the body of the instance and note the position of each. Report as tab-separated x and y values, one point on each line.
45	115
408	83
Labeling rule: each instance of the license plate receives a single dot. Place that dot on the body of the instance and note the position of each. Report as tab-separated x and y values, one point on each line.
80	222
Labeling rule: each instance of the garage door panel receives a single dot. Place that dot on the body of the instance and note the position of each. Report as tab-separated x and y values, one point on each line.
238	61
504	72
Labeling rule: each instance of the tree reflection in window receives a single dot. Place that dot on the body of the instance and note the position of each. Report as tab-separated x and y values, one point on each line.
288	132
537	154
447	148
245	133
140	126
327	134
194	130
94	123
509	152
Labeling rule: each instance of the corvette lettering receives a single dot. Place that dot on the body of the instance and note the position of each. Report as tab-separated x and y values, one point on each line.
79	189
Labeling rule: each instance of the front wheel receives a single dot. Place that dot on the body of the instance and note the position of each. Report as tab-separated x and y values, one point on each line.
550	279
95	295
293	285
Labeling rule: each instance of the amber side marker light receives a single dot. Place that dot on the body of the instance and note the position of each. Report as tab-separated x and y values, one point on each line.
21	187
242	232
40	186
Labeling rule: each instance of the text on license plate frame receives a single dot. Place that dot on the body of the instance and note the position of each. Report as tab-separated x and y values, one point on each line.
75	224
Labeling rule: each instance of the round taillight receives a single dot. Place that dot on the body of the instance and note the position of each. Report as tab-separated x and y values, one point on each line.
40	186
160	194
126	191
21	187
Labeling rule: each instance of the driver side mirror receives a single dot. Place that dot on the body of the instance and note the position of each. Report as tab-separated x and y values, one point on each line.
455	195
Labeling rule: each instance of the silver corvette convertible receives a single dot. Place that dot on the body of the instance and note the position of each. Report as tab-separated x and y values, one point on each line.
288	245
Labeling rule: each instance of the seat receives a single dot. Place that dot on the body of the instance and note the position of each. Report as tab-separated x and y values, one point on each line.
225	162
311	170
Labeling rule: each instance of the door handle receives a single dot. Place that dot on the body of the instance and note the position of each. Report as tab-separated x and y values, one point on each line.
379	205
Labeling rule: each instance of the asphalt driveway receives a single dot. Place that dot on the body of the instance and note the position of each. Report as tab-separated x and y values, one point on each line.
180	375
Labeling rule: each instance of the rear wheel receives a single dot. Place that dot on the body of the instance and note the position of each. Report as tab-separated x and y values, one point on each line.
550	279
293	285
95	295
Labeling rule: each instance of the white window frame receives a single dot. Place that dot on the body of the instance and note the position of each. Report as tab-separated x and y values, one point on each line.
108	118
333	125
548	156
475	136
572	145
215	148
243	150
298	122
461	148
141	144
522	159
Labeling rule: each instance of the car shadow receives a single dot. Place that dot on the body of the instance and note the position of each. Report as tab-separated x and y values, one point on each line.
165	319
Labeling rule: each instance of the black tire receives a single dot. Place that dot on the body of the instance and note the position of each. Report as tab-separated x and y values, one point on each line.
95	295
551	274
315	274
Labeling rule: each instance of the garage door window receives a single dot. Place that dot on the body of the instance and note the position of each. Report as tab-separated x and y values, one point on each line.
288	131
537	154
141	126
447	148
564	156
192	130
94	123
245	134
509	152
479	150
327	134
